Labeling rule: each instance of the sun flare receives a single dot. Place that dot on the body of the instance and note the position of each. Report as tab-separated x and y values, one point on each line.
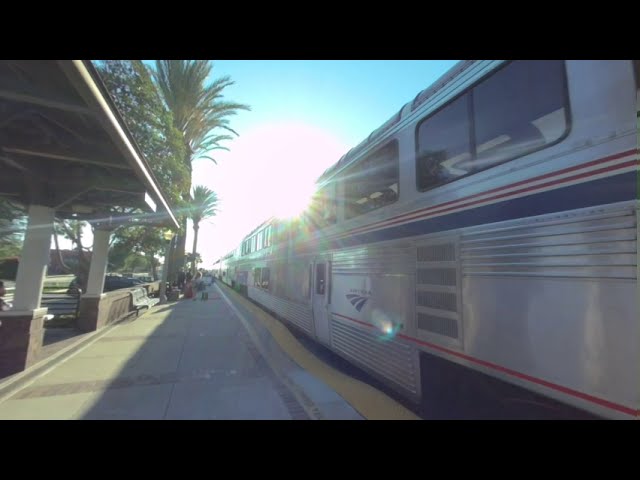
293	200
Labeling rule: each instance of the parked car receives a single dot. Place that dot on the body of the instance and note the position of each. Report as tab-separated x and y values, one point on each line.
115	282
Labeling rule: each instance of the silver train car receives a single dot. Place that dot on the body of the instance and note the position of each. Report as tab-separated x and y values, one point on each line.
491	224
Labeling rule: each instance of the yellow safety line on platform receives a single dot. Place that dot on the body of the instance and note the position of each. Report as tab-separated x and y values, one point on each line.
368	401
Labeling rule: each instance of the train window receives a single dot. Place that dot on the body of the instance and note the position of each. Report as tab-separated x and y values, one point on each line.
320	278
265	278
444	148
521	108
267	236
256	277
372	182
322	210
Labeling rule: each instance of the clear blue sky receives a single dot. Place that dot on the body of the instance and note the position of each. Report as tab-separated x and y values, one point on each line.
305	115
349	98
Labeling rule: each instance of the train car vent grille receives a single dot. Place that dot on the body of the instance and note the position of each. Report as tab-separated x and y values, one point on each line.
437	276
440	300
438	289
437	253
439	325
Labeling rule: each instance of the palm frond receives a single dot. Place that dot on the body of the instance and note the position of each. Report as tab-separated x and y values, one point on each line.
198	109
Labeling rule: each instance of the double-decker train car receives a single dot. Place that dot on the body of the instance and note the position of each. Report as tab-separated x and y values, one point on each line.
490	225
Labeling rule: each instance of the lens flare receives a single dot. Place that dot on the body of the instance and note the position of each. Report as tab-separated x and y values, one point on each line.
387	325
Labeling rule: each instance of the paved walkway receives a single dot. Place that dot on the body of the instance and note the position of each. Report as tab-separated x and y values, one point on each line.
189	360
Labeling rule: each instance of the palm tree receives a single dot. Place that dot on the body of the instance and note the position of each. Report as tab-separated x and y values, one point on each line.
203	205
198	112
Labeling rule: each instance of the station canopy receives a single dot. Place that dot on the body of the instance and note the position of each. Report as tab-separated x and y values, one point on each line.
64	145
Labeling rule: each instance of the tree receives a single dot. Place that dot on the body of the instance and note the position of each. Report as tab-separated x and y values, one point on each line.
139	239
152	125
72	230
12	228
189	258
198	109
123	259
150	122
199	113
203	205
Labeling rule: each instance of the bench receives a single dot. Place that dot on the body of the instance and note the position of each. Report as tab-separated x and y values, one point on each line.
61	303
140	300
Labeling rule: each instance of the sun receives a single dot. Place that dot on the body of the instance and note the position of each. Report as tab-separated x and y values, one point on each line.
293	201
269	172
292	155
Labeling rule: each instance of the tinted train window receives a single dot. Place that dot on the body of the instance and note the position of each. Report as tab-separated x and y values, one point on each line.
265	278
372	182
267	236
521	108
443	140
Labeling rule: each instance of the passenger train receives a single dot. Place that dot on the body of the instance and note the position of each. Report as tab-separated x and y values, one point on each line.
490	225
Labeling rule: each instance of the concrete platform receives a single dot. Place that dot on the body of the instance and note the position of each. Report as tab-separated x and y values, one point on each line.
212	359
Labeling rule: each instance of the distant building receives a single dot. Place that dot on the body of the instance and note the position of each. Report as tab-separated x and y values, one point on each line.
9	265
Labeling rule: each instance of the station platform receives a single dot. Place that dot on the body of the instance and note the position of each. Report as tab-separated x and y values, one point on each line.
220	358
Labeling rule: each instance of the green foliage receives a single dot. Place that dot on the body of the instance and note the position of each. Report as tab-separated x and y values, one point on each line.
150	123
118	254
199	111
189	259
130	242
72	230
13	224
203	205
135	262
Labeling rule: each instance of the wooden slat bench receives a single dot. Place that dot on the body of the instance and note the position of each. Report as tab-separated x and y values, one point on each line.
61	303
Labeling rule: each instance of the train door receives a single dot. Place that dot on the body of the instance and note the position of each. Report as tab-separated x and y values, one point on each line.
321	298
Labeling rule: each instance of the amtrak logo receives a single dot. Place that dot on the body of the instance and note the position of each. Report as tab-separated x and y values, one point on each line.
357	301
